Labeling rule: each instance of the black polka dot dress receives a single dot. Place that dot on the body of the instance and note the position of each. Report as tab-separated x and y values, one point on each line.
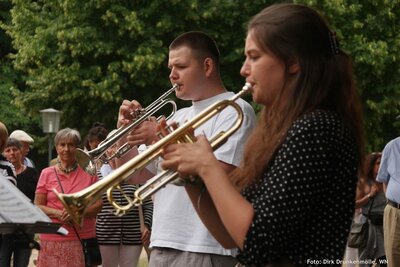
304	202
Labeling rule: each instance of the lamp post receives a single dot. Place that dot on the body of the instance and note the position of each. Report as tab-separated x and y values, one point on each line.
51	123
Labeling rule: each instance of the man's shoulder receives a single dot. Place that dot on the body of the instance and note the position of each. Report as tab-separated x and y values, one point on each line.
245	106
393	145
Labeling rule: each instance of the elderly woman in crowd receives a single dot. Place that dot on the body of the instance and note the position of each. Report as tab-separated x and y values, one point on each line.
15	245
67	177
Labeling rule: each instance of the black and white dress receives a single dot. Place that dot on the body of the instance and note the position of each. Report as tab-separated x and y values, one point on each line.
122	230
304	202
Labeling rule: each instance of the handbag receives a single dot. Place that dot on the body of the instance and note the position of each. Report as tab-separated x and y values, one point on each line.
90	246
358	236
91	251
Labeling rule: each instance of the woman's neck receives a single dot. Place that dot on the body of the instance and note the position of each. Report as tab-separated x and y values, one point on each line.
67	167
19	168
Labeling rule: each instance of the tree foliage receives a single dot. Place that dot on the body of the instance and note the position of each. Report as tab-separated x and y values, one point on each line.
85	57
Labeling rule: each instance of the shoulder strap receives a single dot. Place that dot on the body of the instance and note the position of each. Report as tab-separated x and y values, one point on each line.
370	207
58	180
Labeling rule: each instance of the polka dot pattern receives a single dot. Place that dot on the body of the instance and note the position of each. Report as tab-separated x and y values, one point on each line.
304	202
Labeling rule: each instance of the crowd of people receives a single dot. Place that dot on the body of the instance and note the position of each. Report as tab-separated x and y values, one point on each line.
281	191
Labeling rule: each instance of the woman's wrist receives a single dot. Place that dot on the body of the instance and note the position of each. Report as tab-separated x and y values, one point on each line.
211	167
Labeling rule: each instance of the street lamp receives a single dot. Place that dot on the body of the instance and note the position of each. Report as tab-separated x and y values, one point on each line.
51	123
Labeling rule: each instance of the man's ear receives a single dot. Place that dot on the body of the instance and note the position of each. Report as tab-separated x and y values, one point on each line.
294	65
208	66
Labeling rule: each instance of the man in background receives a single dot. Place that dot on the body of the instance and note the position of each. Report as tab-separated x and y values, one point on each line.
389	175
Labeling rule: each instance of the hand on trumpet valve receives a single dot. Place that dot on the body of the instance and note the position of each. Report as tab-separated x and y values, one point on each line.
189	159
144	133
163	129
128	111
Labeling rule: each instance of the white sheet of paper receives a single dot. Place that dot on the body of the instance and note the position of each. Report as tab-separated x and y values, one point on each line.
15	207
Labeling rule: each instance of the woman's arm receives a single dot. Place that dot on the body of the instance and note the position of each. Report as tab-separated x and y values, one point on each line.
93	209
208	214
41	202
363	195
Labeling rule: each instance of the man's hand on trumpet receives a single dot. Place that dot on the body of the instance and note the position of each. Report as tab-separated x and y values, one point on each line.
127	112
145	133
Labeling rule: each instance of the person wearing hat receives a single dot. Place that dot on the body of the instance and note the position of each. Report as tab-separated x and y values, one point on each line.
26	141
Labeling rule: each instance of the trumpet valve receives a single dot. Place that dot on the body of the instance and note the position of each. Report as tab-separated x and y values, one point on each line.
168	129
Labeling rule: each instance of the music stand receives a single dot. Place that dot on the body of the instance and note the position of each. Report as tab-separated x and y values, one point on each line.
19	216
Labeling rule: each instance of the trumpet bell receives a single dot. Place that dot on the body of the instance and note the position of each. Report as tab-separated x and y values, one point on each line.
85	161
73	205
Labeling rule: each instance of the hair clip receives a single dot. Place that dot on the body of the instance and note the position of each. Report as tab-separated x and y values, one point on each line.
334	43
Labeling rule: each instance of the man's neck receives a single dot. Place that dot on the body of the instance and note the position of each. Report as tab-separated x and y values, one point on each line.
213	90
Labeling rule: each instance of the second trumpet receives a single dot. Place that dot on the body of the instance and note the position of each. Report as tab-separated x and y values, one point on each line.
87	160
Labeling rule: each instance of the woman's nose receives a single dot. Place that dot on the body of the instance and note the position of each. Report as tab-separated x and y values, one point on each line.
245	69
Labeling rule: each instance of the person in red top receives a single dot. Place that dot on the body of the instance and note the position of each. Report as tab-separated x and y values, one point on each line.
67	177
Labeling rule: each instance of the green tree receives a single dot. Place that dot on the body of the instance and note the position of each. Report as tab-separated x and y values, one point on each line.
85	57
370	32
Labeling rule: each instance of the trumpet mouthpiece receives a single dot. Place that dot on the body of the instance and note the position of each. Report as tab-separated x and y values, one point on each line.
247	87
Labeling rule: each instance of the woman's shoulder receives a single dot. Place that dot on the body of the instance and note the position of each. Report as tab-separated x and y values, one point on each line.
47	170
320	123
319	118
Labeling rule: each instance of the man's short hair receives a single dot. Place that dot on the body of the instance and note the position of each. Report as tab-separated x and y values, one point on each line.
201	43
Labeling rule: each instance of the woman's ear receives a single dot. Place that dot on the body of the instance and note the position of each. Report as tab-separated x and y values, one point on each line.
294	66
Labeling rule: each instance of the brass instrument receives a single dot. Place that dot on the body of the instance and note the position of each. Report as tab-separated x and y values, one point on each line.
87	159
76	203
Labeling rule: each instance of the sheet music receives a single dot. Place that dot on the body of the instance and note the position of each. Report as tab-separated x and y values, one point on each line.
15	207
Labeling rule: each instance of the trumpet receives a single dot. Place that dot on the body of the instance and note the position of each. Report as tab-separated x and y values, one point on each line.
87	160
75	204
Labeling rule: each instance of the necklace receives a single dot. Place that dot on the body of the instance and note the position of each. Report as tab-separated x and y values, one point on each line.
67	170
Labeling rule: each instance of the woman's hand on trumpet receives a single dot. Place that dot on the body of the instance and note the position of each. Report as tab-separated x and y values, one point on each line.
190	158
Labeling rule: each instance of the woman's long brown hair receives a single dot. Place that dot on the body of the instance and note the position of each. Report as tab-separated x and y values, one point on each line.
325	81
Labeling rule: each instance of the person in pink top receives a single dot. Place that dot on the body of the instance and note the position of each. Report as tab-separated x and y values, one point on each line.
66	176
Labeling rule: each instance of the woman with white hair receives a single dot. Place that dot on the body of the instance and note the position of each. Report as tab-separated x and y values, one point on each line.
66	177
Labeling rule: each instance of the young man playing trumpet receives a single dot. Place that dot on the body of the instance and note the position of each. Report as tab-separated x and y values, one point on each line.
178	237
